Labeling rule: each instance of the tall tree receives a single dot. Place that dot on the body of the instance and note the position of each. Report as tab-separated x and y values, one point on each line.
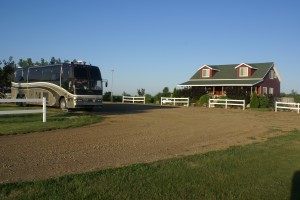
7	72
52	61
29	62
166	92
43	62
175	93
141	92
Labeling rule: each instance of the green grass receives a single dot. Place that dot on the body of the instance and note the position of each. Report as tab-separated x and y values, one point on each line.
257	171
56	119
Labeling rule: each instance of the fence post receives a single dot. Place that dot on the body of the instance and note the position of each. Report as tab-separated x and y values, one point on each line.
276	106
225	103
44	109
244	105
298	107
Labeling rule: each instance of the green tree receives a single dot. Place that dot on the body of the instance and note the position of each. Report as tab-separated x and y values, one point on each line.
29	62
7	72
141	92
43	62
107	96
22	63
149	98
125	94
52	61
166	92
175	93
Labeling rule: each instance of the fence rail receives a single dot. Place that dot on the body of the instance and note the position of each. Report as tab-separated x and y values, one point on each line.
227	102
133	99
289	106
174	101
9	112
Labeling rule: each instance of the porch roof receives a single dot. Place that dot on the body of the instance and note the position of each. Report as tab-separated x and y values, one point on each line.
221	82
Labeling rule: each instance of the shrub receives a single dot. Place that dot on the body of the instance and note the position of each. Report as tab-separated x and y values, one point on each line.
263	102
254	102
203	101
271	101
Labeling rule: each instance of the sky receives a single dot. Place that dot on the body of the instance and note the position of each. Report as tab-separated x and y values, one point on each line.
152	44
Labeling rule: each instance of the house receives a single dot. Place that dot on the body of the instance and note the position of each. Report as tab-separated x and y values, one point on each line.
262	78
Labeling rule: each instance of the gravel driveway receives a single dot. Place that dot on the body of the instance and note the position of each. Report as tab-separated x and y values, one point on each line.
135	134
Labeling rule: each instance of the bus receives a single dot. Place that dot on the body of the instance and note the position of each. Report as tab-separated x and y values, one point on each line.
67	85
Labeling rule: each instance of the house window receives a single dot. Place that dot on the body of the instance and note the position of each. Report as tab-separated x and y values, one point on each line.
265	90
271	91
206	73
272	74
243	72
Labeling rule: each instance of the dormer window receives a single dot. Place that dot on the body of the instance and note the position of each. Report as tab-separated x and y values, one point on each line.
205	73
243	72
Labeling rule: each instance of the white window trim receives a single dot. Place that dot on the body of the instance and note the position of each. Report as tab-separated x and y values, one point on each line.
271	91
240	72
265	90
207	75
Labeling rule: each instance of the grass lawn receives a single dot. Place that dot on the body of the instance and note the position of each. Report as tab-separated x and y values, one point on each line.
266	170
56	119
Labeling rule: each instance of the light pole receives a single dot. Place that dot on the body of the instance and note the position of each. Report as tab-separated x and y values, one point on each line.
112	81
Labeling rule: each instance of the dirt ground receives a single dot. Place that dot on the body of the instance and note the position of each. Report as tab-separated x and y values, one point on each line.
135	134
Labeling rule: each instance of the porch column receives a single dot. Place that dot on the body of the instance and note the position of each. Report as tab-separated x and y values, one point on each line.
251	90
213	90
222	90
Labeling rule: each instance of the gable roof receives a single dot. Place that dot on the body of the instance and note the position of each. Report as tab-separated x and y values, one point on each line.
208	67
244	64
227	76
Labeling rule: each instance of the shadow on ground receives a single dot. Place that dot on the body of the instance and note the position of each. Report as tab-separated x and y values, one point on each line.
120	108
295	191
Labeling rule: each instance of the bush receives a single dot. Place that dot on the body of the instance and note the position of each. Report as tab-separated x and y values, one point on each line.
263	102
254	102
203	101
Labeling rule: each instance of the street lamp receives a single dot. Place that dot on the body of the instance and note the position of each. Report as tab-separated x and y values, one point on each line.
112	81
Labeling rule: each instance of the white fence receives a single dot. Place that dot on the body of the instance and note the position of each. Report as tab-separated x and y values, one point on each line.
133	99
174	101
289	106
227	102
8	112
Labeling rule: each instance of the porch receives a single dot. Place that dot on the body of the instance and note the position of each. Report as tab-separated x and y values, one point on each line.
217	91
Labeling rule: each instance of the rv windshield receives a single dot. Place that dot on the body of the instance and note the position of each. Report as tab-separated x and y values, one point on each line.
87	80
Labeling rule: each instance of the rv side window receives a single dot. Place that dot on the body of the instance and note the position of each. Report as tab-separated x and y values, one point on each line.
35	74
19	76
46	74
55	73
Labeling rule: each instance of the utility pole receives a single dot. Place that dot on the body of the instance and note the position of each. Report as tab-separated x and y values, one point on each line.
112	81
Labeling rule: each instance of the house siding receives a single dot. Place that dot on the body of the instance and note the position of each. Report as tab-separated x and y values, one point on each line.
271	83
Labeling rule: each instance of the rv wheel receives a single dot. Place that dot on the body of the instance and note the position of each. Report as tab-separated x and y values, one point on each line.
62	104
